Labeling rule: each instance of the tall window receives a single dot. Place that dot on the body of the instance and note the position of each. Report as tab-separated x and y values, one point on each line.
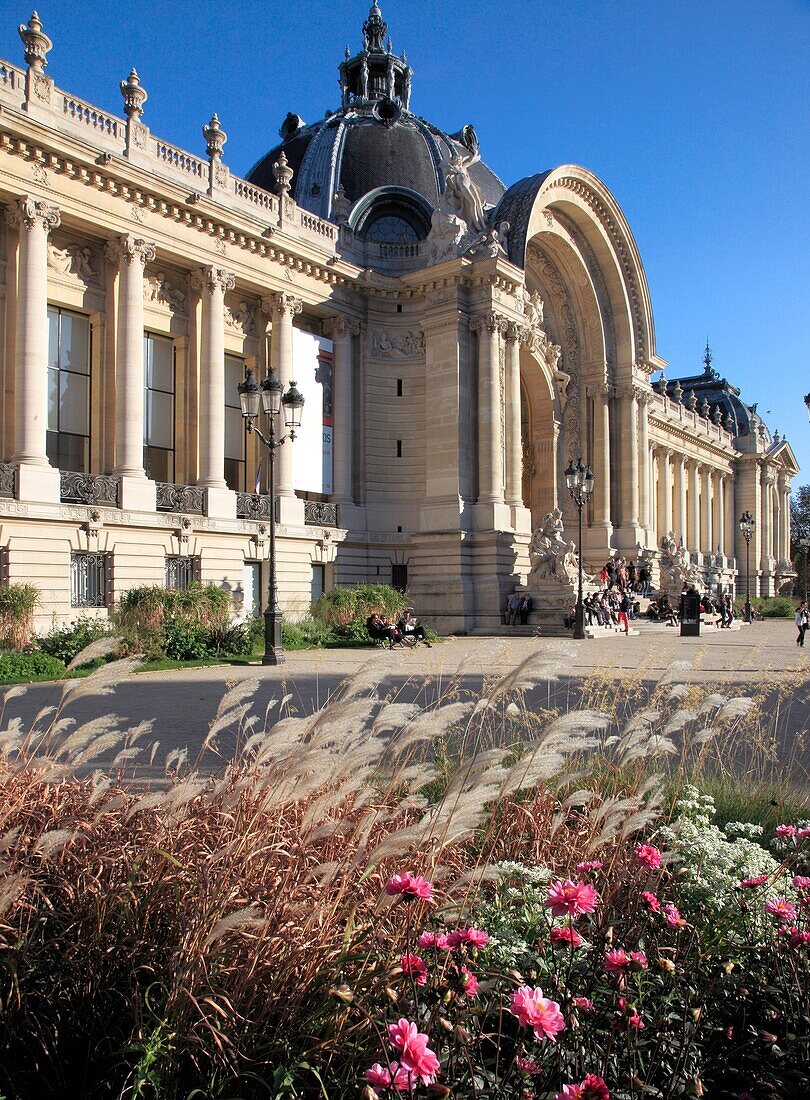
158	419
68	438
234	425
89	579
181	572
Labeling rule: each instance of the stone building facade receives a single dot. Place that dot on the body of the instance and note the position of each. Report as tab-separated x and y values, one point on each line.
478	338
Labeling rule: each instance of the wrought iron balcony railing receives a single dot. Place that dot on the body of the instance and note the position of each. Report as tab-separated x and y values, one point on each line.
8	480
252	506
320	513
78	488
180	498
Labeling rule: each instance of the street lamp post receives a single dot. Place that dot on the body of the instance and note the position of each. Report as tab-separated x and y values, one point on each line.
272	398
747	526
579	478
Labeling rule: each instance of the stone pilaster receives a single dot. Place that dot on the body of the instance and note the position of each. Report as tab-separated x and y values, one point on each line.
718	537
34	220
680	519
212	282
630	531
341	331
766	514
730	524
132	254
646	519
664	492
600	506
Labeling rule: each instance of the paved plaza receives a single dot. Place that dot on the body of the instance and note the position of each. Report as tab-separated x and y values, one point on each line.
182	704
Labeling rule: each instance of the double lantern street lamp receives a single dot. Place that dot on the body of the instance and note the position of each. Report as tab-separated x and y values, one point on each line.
273	399
747	526
579	478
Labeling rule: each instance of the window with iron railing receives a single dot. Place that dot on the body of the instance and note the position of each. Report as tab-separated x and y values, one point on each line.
90	579
182	572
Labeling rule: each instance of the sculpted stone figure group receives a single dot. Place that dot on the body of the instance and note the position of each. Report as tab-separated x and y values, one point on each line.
551	556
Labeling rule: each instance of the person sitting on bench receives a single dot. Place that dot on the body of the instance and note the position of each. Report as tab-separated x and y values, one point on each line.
412	631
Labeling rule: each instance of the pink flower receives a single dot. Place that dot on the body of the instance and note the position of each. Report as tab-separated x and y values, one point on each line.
795	937
649	855
801	882
590	865
473	936
781	908
760	880
537	1012
433	939
803	834
651	900
592	1088
638	960
528	1066
635	1021
584	1004
785	830
569	899
394	1076
672	916
415	968
565	935
468	981
616	961
415	1054
410	886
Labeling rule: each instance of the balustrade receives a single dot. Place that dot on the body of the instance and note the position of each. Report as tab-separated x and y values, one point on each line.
320	513
252	506
78	488
8	480
180	498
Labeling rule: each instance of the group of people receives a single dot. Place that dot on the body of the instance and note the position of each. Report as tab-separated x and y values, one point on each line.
610	607
518	607
406	632
626	576
802	621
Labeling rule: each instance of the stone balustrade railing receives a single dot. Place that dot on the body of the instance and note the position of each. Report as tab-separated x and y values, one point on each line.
108	132
668	409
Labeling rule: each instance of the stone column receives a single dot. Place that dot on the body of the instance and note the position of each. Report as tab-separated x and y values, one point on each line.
665	490
706	511
693	542
212	282
629	480
646	518
680	518
283	307
730	525
766	512
132	254
341	330
514	440
601	464
490	480
35	480
718	513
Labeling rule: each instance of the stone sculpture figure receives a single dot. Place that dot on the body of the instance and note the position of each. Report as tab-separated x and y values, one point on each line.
461	193
676	569
551	557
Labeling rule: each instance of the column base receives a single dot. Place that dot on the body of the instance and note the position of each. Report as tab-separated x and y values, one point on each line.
441	515
220	503
351	516
521	519
628	537
491	516
137	494
39	484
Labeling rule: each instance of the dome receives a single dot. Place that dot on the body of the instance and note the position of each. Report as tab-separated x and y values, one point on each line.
373	158
709	391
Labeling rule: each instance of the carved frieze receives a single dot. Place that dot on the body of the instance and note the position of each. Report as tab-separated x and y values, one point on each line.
160	290
74	261
398	345
241	317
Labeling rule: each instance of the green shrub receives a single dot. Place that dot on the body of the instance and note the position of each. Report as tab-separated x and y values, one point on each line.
15	667
65	642
306	633
343	606
162	622
770	607
17	603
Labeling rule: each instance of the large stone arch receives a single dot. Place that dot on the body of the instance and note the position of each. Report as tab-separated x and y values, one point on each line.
541	419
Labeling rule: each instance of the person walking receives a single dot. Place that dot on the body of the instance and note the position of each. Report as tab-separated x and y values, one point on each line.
624	609
802	621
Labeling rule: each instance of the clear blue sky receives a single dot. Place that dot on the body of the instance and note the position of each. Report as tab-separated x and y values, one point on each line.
695	114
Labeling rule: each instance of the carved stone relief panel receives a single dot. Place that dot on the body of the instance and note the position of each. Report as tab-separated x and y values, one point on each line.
162	289
74	262
398	345
240	315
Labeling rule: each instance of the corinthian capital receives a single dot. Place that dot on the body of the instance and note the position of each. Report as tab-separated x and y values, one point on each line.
212	278
489	323
132	250
516	333
28	213
338	328
282	304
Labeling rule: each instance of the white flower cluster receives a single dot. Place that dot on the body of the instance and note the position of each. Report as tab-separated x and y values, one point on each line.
711	862
515	915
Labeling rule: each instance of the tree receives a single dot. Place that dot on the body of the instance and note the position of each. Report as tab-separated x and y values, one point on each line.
800	536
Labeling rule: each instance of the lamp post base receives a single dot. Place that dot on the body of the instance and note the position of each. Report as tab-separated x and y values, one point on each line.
579	623
273	645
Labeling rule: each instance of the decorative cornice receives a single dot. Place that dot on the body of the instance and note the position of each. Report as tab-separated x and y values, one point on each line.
31	212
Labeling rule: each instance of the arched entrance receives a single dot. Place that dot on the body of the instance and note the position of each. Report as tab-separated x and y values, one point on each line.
540	429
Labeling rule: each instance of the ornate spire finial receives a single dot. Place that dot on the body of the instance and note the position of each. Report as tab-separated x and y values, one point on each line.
134	95
707	359
215	137
374	29
283	174
36	42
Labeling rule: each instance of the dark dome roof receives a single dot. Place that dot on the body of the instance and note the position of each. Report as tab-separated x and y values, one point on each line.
373	141
740	419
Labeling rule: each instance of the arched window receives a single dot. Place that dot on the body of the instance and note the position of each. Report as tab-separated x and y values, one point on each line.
392	215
